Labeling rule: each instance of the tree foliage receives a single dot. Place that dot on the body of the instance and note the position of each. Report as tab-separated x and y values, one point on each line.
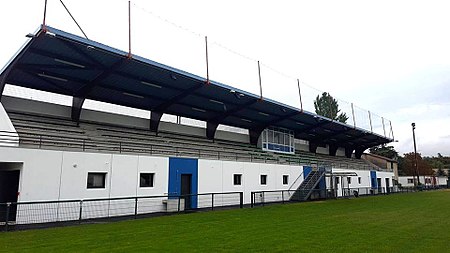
440	163
407	165
383	150
327	106
440	173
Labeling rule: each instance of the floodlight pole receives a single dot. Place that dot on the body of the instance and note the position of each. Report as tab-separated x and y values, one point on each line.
415	153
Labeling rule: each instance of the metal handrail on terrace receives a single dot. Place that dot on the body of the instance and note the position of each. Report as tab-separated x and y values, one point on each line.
86	144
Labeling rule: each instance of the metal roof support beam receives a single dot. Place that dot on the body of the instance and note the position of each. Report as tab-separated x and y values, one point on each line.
233	111
358	152
80	96
332	149
254	135
155	118
324	138
211	128
77	104
278	120
163	106
313	147
319	124
83	91
349	152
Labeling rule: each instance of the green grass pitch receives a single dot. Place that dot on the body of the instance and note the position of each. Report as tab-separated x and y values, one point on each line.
415	222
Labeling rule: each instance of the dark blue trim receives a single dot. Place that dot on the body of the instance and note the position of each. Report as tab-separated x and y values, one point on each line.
179	166
306	171
373	179
322	182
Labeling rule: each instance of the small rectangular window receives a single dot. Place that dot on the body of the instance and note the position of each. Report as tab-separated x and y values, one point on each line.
349	180
96	180
237	179
285	179
263	179
146	179
410	181
359	180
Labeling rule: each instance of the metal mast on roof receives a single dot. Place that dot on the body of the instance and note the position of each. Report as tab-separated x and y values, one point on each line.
129	30
207	60
260	85
45	14
300	95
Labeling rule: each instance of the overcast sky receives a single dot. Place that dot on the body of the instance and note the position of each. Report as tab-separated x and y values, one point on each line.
390	57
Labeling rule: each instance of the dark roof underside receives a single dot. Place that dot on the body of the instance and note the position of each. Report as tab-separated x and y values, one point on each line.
63	63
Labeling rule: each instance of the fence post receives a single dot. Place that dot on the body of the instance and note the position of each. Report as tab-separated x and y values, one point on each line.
179	203
262	198
135	207
80	217
212	201
282	196
241	198
252	195
8	205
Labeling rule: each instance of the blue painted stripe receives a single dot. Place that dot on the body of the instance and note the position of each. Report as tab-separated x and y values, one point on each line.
179	166
373	179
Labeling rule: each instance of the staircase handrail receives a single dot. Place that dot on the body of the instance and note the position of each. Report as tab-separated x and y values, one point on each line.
315	184
296	180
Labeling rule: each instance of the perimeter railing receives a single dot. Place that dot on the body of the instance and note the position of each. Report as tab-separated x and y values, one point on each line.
262	198
22	215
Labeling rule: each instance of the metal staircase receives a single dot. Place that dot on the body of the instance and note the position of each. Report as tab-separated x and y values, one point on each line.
308	185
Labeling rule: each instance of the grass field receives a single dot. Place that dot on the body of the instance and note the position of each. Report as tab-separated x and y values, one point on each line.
415	222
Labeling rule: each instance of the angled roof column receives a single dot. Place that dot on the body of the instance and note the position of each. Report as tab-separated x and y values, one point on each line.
211	125
211	128
80	95
157	113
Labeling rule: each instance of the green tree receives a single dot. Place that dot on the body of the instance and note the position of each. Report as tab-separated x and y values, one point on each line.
383	150
408	165
327	106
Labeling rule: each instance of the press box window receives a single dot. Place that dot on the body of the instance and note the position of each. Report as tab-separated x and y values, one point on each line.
285	179
146	179
349	180
237	179
263	179
359	180
96	180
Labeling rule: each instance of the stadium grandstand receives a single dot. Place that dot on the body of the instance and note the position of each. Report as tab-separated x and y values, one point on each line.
61	157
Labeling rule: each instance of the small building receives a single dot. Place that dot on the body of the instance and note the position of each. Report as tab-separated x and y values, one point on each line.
383	162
